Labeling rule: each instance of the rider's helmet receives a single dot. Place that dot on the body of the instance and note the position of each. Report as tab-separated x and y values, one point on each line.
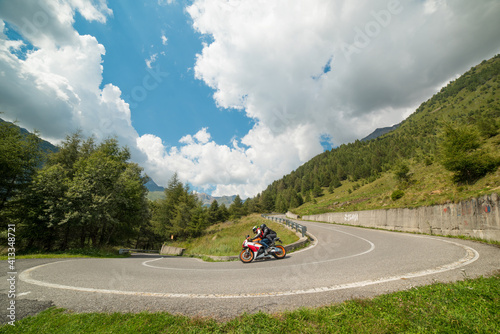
262	226
254	229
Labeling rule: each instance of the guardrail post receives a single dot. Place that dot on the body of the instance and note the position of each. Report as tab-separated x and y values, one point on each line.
291	224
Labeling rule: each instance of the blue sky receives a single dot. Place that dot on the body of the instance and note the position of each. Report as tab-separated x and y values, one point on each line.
232	94
179	104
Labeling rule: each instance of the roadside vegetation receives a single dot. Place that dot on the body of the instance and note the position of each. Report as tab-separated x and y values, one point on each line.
468	306
225	239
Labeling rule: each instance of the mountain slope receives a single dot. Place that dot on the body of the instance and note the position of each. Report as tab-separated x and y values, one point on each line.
205	199
152	186
473	100
46	146
208	199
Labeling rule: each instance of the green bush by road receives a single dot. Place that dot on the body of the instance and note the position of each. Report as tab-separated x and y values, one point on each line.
225	239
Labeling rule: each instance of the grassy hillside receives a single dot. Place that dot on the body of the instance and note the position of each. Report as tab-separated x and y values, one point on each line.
360	175
430	185
225	239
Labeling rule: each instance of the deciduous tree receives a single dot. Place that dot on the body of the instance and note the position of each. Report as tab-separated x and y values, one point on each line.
20	157
86	195
462	154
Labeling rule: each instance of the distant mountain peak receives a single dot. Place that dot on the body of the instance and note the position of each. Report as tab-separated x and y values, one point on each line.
207	199
152	186
380	132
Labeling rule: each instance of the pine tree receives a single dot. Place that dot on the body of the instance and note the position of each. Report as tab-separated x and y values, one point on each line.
236	209
214	213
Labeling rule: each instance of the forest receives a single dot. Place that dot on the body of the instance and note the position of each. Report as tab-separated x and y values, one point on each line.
89	194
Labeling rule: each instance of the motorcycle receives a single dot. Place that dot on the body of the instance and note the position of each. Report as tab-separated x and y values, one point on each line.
251	249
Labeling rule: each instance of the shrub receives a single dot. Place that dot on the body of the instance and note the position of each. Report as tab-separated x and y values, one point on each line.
397	194
461	154
402	172
487	127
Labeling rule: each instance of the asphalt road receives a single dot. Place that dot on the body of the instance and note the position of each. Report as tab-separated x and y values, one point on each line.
344	263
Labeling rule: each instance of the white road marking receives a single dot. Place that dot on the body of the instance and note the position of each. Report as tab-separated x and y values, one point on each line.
372	247
471	256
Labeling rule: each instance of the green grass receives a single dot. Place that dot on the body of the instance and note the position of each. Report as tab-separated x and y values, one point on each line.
469	306
225	239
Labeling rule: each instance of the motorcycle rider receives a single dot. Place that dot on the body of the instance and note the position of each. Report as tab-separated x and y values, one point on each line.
268	236
258	234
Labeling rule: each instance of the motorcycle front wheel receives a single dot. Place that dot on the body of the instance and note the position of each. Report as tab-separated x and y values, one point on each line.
280	252
246	256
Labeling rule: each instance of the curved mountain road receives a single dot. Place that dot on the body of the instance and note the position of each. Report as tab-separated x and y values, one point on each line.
345	263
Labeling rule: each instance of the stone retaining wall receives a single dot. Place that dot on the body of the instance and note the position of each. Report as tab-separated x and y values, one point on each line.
292	215
169	250
297	244
477	217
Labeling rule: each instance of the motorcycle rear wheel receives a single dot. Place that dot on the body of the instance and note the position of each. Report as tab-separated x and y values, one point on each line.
246	256
280	252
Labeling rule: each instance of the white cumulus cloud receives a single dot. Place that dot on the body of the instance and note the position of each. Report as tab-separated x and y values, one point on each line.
301	70
55	88
323	69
